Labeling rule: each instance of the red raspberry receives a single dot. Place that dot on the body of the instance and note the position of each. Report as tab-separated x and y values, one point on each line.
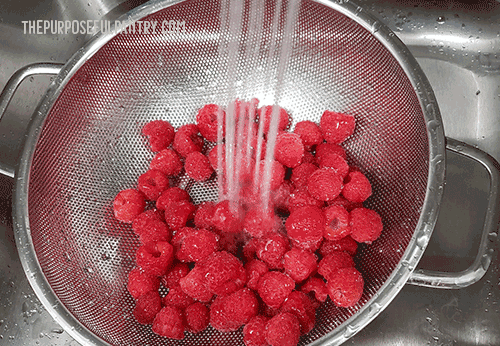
299	304
229	242
283	330
187	140
224	220
301	174
329	148
161	134
204	214
196	245
155	258
336	163
336	127
250	248
140	283
224	273
333	261
171	279
336	222
308	157
170	196
277	174
194	284
366	225
213	158
152	184
357	188
300	264
176	297
154	231
197	317
168	162
324	184
255	269
346	244
271	250
254	332
265	114
146	307
289	149
345	287
169	323
274	287
229	313
348	205
318	286
310	133
259	223
198	167
178	213
281	195
302	198
305	227
254	143
207	119
128	204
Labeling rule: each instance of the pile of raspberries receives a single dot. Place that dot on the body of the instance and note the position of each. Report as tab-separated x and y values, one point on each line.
247	269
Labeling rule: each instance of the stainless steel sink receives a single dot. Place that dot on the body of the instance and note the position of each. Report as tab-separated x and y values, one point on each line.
457	46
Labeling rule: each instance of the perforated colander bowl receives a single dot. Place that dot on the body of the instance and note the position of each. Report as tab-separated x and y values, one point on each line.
84	146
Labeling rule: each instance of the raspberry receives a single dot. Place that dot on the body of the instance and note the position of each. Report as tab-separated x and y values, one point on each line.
283	330
324	184
265	114
161	134
310	133
128	204
255	269
152	184
170	196
140	283
169	323
196	245
336	163
366	225
224	273
333	261
336	127
299	304
229	242
194	284
336	222
302	198
224	220
274	287
250	248
254	332
146	307
329	148
254	143
197	166
299	264
178	213
301	174
345	287
259	223
277	174
229	313
197	317
168	162
305	227
155	258
281	195
346	244
357	188
289	149
272	249
207	119
154	231
176	297
204	214
143	220
318	286
348	205
213	158
171	279
187	140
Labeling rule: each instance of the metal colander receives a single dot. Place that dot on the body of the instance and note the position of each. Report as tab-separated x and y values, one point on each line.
85	145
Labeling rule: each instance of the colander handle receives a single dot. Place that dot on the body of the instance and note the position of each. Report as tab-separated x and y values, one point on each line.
478	268
10	88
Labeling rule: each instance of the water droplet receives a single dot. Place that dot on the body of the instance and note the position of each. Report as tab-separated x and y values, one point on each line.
428	319
485	261
423	240
350	331
375	27
358	10
441	20
67	256
89	270
374	309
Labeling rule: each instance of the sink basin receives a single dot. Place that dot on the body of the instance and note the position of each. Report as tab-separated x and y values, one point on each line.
458	48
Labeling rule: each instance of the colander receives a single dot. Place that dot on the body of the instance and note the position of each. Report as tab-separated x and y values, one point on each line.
84	146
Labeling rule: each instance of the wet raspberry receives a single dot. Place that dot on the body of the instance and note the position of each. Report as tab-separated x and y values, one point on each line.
305	226
336	222
168	162
283	330
224	220
154	231
171	279
277	174
329	148
231	312
213	158
187	140
195	245
197	317
301	174
258	223
342	201
204	214
302	198
178	213
289	149
299	304
128	204
229	242
336	163
176	297
310	133
274	287
152	184
336	127
207	120
224	273
161	134
346	244
316	285
357	188
146	307
140	283
255	269
333	261
300	264
345	287
170	196
254	332
271	250
195	285
155	258
366	225
324	184
169	323
265	114
281	195
250	248
198	167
